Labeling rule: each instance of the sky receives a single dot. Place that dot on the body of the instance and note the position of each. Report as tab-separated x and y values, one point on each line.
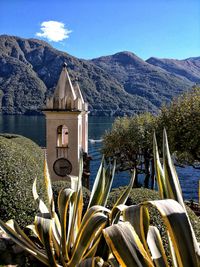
94	28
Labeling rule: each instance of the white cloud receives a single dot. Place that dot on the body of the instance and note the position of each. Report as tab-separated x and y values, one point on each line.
53	31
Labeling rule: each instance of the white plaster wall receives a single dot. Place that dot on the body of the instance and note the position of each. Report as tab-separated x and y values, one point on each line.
85	131
71	120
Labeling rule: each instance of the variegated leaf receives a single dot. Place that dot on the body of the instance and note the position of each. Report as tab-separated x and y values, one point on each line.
156	247
126	245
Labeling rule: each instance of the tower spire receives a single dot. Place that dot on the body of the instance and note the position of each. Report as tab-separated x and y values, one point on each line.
78	91
66	128
64	87
66	96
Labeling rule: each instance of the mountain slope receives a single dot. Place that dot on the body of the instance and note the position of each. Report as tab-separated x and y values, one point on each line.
114	85
187	68
141	78
104	93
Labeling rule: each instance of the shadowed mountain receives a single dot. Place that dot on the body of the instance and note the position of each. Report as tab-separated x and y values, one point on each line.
141	78
188	68
113	85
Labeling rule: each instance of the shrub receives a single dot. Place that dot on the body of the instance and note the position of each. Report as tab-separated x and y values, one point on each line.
182	122
122	236
136	196
20	162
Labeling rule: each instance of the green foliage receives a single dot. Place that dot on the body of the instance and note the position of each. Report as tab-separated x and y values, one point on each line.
182	122
130	142
129	139
58	185
121	236
139	195
195	221
20	162
136	196
69	237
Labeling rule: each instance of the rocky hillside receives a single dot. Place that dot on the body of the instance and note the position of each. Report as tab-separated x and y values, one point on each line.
113	85
143	79
188	68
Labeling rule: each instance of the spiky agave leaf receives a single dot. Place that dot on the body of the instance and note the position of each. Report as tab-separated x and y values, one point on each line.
159	171
114	216
91	228
99	186
66	195
126	245
56	228
42	206
43	224
173	187
171	178
179	228
102	185
86	219
124	196
138	217
22	240
156	247
109	176
76	206
48	186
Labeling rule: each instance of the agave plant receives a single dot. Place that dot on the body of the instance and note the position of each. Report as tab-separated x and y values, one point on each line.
122	236
69	238
134	242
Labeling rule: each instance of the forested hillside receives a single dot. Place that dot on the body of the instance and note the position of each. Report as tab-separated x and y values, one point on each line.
114	85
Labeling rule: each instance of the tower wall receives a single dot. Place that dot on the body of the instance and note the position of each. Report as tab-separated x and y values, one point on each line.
66	128
85	131
73	121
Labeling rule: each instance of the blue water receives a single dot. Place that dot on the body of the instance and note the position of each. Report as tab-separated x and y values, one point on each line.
33	127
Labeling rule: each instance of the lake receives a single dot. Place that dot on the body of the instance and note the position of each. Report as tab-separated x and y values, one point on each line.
33	127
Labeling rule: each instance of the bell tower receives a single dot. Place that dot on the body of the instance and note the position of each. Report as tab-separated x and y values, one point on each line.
66	128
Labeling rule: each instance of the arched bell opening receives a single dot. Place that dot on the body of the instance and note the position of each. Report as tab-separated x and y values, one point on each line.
62	136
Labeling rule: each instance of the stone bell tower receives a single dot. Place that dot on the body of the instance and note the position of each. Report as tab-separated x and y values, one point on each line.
66	128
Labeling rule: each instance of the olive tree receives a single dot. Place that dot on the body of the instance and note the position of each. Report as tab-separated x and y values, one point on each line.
130	139
130	142
182	122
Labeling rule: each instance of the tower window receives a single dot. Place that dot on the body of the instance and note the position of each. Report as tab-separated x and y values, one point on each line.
62	136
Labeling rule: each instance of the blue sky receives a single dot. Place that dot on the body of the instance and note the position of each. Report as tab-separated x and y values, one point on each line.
92	28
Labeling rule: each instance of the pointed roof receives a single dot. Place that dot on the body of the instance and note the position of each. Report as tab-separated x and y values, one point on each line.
64	87
66	96
78	91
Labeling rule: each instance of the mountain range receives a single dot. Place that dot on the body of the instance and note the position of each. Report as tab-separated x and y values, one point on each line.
120	84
